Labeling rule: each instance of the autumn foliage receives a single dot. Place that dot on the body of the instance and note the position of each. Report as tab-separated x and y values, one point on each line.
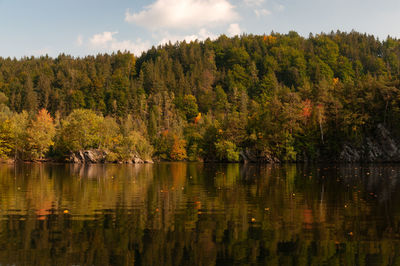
282	97
197	118
40	134
307	108
269	39
178	150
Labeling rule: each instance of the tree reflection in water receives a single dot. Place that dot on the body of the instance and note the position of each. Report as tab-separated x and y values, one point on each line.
199	214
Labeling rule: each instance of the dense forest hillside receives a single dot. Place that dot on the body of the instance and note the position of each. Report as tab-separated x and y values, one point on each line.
277	97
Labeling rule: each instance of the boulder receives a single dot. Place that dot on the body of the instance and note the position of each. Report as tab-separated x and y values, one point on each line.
137	160
76	157
88	156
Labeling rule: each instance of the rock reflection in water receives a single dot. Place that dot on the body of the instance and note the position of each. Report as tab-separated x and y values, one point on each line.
199	214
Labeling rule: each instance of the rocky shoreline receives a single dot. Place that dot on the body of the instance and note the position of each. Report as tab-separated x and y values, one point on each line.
379	147
95	156
382	147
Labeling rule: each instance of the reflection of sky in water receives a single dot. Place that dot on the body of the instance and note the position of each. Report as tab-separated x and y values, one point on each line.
198	213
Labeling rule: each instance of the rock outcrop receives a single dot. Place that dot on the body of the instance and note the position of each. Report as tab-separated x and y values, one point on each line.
88	156
252	156
136	159
95	156
381	147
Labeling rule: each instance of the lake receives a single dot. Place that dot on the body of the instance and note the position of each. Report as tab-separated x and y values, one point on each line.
199	214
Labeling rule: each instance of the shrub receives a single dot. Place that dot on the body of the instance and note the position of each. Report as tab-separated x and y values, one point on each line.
227	151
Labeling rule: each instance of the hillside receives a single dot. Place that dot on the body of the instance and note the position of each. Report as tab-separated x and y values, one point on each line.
269	98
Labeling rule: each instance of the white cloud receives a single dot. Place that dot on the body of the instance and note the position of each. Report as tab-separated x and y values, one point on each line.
102	39
202	35
136	47
184	14
79	40
42	52
280	7
234	30
262	12
254	2
107	42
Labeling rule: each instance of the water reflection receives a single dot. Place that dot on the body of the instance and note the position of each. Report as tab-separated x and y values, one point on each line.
199	214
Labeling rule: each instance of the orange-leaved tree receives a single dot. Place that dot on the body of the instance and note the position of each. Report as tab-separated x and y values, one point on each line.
40	134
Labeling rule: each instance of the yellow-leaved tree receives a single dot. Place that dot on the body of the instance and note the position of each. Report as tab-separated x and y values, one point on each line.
6	137
40	134
178	149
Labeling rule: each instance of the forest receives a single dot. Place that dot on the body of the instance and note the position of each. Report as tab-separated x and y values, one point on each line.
275	98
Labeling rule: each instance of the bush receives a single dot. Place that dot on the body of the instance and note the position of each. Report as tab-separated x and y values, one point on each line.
227	151
134	144
112	157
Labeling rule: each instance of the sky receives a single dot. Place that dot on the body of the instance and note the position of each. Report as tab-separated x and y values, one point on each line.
89	27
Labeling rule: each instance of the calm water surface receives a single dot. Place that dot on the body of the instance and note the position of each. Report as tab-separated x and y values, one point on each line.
199	214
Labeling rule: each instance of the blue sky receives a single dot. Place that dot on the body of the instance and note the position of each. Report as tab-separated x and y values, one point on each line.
83	27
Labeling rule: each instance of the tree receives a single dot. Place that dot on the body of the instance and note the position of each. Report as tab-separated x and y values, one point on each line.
110	134
190	107
40	134
6	138
81	130
134	144
227	151
20	123
29	96
178	149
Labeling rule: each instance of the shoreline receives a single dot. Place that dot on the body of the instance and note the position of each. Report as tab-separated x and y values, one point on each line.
16	162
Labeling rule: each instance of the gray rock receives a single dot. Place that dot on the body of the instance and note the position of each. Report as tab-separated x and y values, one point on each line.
77	157
243	157
254	156
349	154
380	148
387	143
94	156
88	156
137	160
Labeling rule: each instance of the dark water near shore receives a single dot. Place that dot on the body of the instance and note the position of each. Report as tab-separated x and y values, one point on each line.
199	214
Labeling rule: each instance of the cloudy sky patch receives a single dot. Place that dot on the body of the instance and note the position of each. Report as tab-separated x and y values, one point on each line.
84	28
